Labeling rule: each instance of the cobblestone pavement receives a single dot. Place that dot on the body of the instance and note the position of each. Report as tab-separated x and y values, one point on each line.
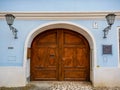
64	85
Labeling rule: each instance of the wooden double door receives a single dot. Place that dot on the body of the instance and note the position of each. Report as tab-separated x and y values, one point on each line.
60	55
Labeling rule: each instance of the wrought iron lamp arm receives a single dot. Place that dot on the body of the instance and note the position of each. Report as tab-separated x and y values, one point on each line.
14	31
106	30
110	19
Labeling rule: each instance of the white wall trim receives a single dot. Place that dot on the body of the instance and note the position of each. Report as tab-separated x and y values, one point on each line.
107	77
59	15
67	25
12	76
118	43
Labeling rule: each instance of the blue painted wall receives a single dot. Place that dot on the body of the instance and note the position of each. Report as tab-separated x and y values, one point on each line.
14	57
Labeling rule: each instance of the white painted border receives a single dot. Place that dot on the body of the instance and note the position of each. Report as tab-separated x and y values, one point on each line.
12	76
118	37
67	25
107	77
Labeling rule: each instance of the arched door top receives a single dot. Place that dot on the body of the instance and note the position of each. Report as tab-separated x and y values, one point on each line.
67	25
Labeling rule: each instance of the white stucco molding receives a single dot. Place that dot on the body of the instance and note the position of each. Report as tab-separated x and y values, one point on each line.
59	15
67	25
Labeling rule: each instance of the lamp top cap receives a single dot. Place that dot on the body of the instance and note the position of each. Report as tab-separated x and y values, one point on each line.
9	15
111	14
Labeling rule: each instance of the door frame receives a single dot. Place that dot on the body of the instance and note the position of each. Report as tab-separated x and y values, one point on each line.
67	25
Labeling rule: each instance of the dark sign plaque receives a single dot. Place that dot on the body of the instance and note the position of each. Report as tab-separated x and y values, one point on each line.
107	49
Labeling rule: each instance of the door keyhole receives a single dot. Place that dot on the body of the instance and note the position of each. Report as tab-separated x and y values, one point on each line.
52	56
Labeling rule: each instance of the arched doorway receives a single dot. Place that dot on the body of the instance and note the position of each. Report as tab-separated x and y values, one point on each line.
60	54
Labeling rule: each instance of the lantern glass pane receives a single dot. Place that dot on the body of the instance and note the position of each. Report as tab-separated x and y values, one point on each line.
110	18
10	19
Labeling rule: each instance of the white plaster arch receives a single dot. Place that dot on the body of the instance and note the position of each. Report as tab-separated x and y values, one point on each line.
67	25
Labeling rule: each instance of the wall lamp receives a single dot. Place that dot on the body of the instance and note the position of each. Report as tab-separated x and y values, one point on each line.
110	20
10	19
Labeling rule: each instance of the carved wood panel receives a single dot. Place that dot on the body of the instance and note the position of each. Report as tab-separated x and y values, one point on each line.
60	54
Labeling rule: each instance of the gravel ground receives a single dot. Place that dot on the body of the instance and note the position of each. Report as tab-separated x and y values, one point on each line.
60	86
